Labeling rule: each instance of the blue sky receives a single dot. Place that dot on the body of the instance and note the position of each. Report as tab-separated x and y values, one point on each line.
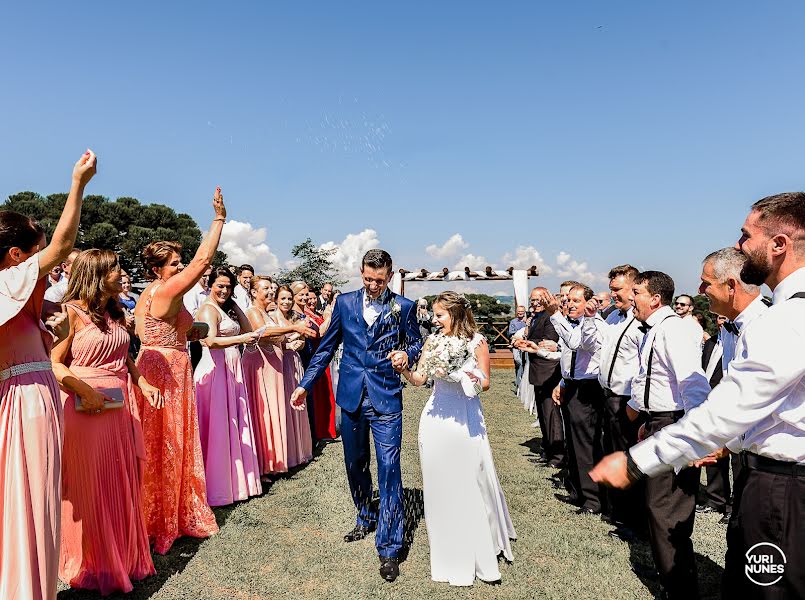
581	135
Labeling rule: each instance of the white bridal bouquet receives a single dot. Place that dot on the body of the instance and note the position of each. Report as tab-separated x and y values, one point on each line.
446	358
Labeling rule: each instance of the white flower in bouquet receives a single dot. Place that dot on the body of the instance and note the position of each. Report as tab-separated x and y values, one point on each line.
446	354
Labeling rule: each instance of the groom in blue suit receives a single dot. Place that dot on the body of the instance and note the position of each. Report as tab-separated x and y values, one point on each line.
381	337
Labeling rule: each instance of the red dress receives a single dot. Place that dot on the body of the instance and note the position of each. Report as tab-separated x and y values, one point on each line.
175	489
323	397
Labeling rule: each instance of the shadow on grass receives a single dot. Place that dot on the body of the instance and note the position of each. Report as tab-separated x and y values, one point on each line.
708	572
534	445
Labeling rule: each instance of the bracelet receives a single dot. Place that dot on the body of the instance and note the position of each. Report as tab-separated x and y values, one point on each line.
633	472
222	219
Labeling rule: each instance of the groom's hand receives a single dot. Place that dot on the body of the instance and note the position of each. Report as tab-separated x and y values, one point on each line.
298	398
399	360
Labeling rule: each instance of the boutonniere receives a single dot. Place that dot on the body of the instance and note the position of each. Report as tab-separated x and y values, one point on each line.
394	310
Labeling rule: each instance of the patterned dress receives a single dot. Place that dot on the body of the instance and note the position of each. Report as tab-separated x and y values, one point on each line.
174	491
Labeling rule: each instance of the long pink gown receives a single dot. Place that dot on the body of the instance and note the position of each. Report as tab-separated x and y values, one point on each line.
224	422
298	441
104	543
174	490
30	443
262	370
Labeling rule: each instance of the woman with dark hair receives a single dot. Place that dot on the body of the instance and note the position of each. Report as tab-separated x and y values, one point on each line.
30	411
224	420
104	544
174	491
323	398
298	441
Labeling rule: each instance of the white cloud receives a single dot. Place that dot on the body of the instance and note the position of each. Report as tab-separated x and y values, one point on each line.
524	257
243	243
349	252
579	271
450	248
474	262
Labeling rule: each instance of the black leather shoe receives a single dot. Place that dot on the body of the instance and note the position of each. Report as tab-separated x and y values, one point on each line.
725	520
704	509
389	568
358	533
567	499
625	534
587	511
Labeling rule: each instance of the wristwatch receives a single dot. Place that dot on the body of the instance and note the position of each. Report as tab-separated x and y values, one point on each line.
633	472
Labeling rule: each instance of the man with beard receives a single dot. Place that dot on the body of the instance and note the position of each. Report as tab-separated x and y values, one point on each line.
760	401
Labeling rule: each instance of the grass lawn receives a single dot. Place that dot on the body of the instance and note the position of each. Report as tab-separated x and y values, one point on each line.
288	543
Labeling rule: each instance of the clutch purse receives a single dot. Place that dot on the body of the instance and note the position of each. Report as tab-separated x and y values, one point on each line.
116	394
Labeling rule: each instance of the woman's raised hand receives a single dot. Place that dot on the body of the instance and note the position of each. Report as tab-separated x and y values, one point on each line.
218	203
85	168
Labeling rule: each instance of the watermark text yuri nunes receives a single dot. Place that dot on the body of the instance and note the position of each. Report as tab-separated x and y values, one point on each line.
765	564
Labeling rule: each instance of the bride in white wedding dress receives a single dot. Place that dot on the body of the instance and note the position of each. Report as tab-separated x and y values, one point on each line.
465	511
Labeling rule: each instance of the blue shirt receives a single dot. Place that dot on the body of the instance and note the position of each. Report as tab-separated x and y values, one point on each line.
516	325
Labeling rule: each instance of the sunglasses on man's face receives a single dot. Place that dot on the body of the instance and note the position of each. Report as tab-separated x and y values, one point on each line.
681	304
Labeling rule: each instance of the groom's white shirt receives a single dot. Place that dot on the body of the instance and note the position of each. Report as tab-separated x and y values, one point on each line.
371	309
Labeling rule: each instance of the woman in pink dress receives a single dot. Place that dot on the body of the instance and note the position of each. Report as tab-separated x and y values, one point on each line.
262	369
299	444
224	420
30	411
174	490
104	544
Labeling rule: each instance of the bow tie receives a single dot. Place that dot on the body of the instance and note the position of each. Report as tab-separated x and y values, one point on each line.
573	321
622	312
644	328
731	327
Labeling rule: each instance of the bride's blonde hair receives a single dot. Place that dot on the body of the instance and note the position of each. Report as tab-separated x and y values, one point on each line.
460	311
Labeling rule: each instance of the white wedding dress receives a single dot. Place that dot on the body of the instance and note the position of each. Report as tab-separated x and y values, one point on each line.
465	510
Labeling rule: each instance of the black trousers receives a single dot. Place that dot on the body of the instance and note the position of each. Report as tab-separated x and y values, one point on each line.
550	421
767	508
671	507
717	492
626	507
583	408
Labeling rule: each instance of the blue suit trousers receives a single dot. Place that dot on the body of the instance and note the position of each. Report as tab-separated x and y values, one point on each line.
386	431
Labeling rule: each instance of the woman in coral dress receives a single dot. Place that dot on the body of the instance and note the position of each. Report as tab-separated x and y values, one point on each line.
298	441
104	544
262	370
174	489
30	411
224	419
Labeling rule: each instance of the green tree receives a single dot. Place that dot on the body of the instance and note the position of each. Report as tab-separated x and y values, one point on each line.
125	225
315	267
483	306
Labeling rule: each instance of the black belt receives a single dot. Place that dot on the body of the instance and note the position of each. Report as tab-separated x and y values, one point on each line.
772	465
610	394
676	414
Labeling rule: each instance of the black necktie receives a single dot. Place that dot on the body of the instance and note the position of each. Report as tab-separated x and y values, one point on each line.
573	321
732	328
644	328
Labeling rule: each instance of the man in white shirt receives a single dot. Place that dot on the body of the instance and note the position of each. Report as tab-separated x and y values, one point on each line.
619	337
196	296
579	394
670	382
760	401
242	291
683	306
55	293
739	303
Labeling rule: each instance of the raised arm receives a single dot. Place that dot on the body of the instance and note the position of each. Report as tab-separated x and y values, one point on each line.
64	235
178	285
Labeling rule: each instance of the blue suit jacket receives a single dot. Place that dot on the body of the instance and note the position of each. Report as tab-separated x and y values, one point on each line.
364	363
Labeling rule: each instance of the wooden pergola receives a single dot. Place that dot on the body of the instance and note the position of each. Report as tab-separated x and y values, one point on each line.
499	329
488	274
